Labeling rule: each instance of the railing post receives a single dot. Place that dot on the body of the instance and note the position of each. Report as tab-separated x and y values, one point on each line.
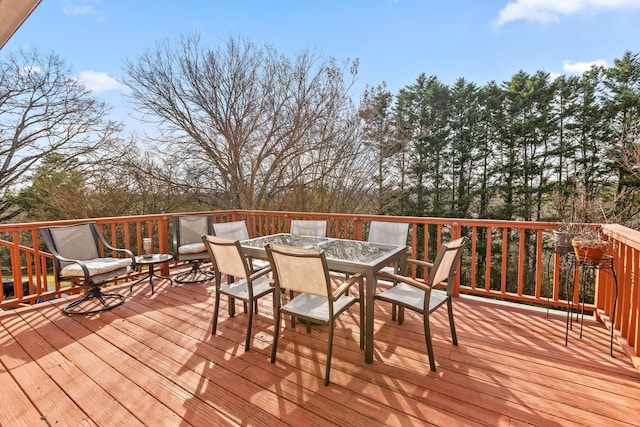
357	228
16	267
163	242
456	232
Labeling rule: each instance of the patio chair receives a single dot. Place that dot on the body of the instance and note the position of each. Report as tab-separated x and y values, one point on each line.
300	227
421	297
188	246
78	257
243	283
305	272
389	233
237	230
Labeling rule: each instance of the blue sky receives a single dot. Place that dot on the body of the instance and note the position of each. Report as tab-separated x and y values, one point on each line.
394	40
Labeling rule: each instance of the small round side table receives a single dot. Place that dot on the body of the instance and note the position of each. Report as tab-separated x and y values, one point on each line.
151	261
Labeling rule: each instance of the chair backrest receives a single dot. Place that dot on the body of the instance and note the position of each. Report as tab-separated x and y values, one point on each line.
227	256
299	269
444	266
77	241
189	228
301	227
390	233
234	230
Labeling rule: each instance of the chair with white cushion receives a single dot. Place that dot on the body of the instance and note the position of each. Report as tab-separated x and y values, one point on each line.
78	257
187	246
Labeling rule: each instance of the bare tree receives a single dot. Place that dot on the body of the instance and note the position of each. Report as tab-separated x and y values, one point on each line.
44	110
250	126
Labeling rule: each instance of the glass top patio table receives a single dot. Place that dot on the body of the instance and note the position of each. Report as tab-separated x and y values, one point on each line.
348	256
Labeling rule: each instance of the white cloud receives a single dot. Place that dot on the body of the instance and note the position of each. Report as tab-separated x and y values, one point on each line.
553	76
99	82
551	10
581	67
25	71
81	8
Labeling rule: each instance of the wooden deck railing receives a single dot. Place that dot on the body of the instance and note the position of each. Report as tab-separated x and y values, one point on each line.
508	260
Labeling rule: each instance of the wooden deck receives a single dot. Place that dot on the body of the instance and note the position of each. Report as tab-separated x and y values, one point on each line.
153	361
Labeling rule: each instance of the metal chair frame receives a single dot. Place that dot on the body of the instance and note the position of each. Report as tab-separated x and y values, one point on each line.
68	245
305	274
420	297
187	230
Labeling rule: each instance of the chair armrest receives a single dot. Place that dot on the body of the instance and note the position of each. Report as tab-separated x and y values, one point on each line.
404	279
259	273
82	265
419	263
106	244
130	254
356	278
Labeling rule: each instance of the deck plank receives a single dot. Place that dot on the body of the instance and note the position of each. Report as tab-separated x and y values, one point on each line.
154	361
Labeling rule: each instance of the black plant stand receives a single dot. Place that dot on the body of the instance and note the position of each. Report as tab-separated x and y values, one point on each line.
584	265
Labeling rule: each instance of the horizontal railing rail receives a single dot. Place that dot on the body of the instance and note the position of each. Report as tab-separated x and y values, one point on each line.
507	260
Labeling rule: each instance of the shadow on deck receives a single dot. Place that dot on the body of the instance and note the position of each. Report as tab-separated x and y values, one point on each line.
153	361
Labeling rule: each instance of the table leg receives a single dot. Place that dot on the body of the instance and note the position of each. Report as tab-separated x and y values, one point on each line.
138	281
370	287
152	275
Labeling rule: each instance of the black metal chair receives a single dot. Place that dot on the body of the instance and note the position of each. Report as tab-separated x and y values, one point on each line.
78	258
188	246
420	296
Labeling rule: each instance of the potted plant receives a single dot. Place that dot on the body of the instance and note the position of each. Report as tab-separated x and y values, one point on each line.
577	231
589	244
562	238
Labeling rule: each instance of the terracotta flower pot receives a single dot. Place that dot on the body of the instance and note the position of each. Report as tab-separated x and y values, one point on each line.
589	251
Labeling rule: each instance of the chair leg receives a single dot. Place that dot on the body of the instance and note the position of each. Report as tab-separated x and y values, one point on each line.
247	343
329	351
215	312
400	315
452	324
276	333
195	274
107	300
361	304
231	304
427	335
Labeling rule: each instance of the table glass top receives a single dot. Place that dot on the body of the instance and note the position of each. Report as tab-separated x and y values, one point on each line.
338	249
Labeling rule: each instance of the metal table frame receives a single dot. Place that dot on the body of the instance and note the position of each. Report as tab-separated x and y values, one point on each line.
151	261
348	256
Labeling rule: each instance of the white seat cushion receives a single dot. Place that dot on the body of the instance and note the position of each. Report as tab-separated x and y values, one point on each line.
191	248
96	266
